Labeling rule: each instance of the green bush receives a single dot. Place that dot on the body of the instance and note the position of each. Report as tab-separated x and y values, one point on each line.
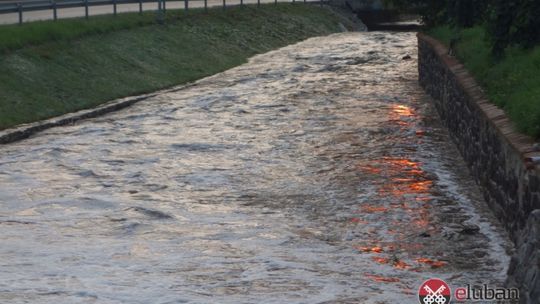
51	68
512	83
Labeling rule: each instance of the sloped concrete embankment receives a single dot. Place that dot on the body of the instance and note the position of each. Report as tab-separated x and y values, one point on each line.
501	159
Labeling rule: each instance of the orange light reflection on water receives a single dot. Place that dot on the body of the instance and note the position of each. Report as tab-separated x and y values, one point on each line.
374	209
375	249
381	260
403	110
401	265
432	263
378	278
406	187
401	114
406	176
407	190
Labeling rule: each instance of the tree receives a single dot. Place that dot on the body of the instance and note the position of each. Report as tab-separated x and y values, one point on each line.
508	22
514	22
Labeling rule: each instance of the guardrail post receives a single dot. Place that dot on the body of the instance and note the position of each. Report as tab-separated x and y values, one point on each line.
140	7
160	17
186	5
258	3
114	8
86	9
55	12
224	4
19	7
206	6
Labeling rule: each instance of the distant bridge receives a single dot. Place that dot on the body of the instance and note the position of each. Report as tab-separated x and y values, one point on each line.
358	5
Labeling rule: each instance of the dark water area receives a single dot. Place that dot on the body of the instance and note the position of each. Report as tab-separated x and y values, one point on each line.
317	173
389	20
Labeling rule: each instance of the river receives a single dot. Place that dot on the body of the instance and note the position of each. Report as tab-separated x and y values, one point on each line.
316	173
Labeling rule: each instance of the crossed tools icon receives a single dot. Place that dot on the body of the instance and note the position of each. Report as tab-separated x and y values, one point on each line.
434	296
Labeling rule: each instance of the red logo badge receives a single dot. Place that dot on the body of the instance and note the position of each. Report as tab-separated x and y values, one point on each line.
434	291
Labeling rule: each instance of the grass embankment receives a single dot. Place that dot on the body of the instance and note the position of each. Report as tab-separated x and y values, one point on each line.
51	68
512	83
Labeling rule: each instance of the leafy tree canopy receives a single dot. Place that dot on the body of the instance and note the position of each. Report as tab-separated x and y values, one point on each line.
507	21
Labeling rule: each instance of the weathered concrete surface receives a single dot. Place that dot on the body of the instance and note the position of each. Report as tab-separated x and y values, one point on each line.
26	130
497	155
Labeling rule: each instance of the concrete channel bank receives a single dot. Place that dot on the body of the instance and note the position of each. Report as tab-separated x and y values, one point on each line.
500	158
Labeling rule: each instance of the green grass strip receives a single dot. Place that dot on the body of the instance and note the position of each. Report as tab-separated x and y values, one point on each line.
52	68
512	83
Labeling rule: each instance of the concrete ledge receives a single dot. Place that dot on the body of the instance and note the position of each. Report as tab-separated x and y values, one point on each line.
25	131
503	161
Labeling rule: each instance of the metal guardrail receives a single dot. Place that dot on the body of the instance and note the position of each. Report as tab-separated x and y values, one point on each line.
8	7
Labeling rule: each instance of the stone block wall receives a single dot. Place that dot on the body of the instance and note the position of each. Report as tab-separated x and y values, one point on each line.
500	158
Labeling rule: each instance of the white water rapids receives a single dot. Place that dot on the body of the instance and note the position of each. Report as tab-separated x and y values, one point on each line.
317	173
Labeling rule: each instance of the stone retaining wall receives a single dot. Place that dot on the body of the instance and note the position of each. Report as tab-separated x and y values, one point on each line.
500	159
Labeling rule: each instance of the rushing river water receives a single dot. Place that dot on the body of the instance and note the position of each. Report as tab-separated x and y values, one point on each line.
317	173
